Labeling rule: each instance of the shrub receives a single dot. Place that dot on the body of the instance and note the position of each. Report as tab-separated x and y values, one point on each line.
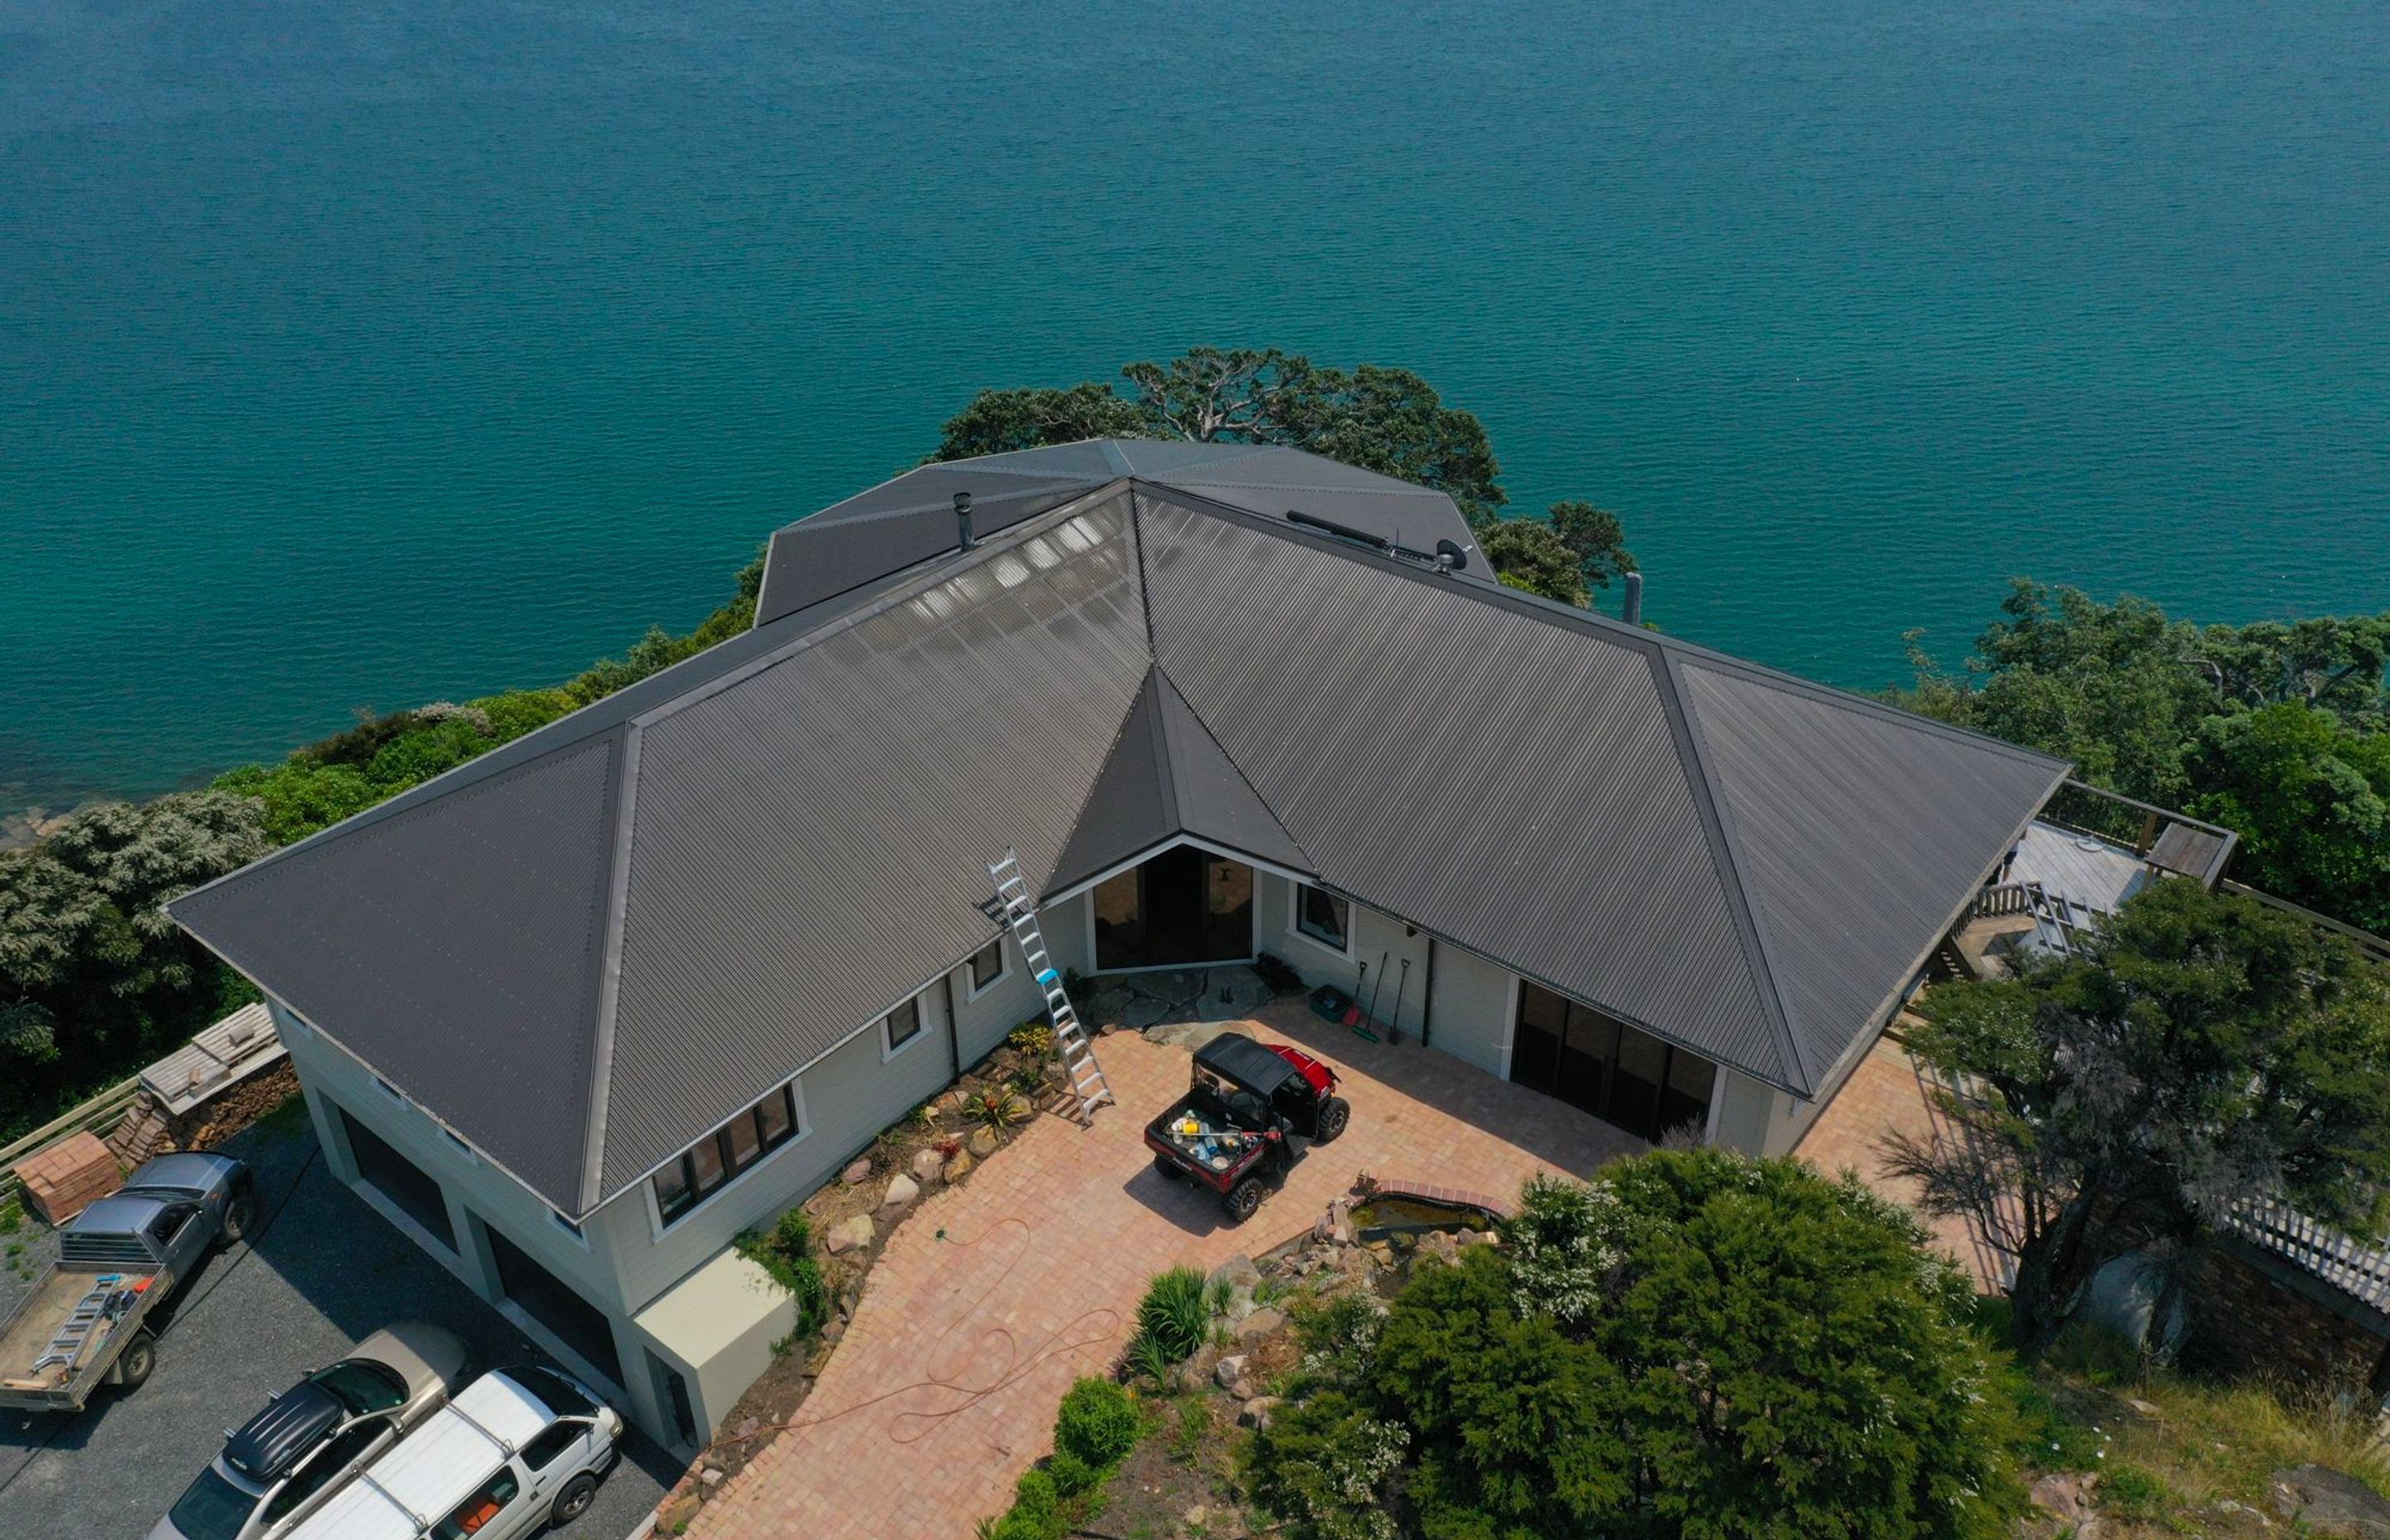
1099	1424
1558	1252
1319	1464
1176	1313
786	1252
998	1106
1032	1037
1072	1475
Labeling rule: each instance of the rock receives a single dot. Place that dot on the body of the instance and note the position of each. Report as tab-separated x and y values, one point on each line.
1244	1390
1231	1369
849	1235
1381	1253
902	1190
928	1165
983	1143
1440	1243
2065	1495
1256	1412
2327	1502
1237	1272
1258	1324
711	1476
1194	1517
835	1331
679	1513
858	1174
2142	1408
1474	1237
958	1166
747	1427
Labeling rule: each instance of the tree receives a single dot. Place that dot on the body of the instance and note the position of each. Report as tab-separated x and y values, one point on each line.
1699	1344
2207	1049
1530	555
1596	540
2313	799
997	422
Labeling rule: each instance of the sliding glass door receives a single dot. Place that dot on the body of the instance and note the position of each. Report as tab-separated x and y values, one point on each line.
1601	1064
1183	909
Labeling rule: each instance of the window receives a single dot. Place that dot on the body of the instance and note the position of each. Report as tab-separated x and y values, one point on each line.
1610	1070
169	1223
400	1180
673	1392
476	1512
362	1386
541	1451
709	1165
987	966
325	1468
901	1026
555	1304
1323	916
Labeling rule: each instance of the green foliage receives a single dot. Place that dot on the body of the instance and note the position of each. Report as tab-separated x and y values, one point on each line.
1100	1423
997	1107
93	976
997	422
786	1252
1558	1261
1768	1352
1031	1037
1176	1313
1072	1475
2134	1493
2207	1047
1530	555
1596	539
2275	730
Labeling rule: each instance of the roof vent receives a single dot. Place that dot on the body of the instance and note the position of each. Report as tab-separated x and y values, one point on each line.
962	522
1451	556
1630	608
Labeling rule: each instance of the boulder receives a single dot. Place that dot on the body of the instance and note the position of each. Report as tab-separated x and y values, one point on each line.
1260	1324
958	1166
1231	1369
849	1235
983	1143
1243	1390
834	1330
902	1190
858	1174
2328	1502
2067	1496
1256	1413
711	1476
928	1165
679	1513
1237	1272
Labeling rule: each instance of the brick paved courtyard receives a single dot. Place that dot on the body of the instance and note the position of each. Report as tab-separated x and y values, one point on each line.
997	1293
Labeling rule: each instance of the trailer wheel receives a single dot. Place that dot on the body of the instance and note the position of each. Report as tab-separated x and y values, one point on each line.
140	1357
1168	1167
1242	1199
1334	1113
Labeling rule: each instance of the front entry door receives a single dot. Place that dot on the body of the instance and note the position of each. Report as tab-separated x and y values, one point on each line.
1184	908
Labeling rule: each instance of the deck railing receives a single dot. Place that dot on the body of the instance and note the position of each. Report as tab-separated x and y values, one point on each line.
2373	947
2360	1271
2134	825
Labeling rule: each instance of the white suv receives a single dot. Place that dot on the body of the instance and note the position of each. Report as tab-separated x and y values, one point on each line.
515	1450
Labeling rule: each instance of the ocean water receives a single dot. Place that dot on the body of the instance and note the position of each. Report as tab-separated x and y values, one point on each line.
356	355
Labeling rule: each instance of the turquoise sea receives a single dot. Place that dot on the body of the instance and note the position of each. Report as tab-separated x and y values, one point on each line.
360	354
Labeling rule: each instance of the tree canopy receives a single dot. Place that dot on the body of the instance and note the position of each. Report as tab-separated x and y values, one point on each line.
2275	730
2207	1049
1696	1344
1389	420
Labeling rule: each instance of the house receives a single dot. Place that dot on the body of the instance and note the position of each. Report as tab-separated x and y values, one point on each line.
574	1015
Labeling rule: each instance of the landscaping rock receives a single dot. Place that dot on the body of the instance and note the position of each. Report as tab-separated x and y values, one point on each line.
2068	1496
902	1190
958	1166
711	1476
835	1331
849	1235
983	1143
1256	1412
1475	1237
1258	1324
679	1513
2328	1502
928	1165
1231	1369
1243	1390
858	1174
1237	1272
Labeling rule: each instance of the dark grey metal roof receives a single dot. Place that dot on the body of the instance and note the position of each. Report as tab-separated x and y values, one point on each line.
587	948
1166	776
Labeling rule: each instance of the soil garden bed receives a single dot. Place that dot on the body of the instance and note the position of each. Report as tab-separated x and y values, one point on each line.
847	1223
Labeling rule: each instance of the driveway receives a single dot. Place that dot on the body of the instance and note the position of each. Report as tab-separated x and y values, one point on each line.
322	1271
995	1294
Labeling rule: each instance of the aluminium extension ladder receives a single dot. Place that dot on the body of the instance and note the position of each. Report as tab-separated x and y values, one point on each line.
82	1324
1088	1090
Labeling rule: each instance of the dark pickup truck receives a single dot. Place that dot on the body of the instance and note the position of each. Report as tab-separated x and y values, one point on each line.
118	1260
1234	1129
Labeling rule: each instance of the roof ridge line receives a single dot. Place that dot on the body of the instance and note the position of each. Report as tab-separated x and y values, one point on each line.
1259	800
598	1094
1717	830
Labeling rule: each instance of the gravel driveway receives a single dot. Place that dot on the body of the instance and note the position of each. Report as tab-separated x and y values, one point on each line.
322	1271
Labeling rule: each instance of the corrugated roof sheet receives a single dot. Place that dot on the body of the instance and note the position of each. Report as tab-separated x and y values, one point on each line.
592	945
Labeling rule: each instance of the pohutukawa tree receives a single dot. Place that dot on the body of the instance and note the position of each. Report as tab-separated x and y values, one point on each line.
2206	1051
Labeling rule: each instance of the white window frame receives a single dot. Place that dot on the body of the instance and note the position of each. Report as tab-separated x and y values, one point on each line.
972	990
1294	918
890	1048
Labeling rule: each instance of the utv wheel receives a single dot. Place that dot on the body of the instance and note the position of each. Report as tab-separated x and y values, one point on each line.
1334	1113
239	1214
1242	1199
139	1359
1168	1167
573	1500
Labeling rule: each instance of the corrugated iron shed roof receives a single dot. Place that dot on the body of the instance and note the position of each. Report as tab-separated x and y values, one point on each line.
590	946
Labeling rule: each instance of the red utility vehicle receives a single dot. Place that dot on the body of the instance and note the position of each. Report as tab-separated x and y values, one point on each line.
1235	1128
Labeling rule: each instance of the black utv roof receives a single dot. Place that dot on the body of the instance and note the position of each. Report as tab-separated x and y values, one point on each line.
1247	1063
267	1446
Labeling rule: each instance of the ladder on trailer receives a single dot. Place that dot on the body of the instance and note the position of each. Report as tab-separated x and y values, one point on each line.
1088	1089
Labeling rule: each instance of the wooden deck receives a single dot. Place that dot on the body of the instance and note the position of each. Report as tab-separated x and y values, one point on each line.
2078	867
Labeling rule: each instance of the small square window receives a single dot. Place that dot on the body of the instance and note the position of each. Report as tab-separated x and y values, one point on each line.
778	1118
673	1195
705	1165
1323	916
902	1026
987	966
